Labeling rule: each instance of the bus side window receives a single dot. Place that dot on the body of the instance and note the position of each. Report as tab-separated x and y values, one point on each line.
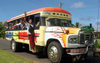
7	27
37	21
32	17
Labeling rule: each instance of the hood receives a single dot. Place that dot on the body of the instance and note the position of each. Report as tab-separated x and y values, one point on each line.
73	30
63	29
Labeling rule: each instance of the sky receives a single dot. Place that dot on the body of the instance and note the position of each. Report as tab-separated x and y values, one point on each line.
82	11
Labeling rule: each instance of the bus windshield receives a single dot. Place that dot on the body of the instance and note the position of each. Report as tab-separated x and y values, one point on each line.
59	22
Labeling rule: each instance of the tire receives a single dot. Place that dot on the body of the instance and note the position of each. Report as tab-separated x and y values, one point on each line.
54	52
15	47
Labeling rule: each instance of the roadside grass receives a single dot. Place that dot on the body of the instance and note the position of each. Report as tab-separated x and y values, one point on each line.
7	57
1	38
98	43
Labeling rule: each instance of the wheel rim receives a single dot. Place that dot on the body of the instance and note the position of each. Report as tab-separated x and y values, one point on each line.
13	45
53	53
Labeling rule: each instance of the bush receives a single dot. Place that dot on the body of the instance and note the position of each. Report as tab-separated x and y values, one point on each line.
98	43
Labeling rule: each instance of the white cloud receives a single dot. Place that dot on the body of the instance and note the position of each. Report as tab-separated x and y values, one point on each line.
78	5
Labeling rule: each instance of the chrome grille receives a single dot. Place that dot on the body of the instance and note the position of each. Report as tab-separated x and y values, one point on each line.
82	38
85	36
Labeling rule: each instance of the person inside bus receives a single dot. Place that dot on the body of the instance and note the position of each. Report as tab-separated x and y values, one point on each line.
37	25
20	25
30	32
11	26
16	27
16	22
7	27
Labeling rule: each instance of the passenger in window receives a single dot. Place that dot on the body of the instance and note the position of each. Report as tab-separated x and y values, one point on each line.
16	22
30	32
7	27
16	27
11	26
20	25
37	24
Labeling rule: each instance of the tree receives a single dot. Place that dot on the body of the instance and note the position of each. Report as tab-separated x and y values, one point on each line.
2	30
78	24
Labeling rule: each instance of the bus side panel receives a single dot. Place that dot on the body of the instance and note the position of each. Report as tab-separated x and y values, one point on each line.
10	34
40	36
15	35
23	35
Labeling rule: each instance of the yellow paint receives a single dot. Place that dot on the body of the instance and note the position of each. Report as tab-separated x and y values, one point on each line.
15	33
41	38
60	16
73	30
74	59
64	37
22	41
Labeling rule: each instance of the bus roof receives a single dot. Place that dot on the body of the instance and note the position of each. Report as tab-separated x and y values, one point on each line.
48	9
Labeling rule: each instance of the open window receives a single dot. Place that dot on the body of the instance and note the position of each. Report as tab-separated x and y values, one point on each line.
27	19
32	17
37	21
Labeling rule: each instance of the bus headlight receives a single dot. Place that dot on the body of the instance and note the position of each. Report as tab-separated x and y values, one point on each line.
95	42
73	39
86	42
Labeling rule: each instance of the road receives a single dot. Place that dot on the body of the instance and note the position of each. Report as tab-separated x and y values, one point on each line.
5	45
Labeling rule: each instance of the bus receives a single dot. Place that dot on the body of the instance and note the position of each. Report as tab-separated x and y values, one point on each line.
55	35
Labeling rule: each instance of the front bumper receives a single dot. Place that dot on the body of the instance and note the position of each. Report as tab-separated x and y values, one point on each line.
76	51
79	51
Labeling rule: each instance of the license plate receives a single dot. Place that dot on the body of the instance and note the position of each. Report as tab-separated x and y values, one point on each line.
78	50
90	53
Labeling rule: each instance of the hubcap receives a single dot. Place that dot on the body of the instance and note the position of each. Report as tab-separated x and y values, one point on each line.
53	53
13	45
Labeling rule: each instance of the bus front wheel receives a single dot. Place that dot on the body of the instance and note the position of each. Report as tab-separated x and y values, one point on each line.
54	52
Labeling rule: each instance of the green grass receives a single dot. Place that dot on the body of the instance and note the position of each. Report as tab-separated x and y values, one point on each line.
7	57
98	43
1	38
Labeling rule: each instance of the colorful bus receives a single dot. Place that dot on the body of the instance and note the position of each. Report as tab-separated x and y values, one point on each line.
55	35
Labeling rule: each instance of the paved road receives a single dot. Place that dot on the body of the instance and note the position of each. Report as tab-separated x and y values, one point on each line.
5	45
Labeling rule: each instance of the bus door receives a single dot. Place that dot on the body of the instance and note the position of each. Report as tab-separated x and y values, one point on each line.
38	31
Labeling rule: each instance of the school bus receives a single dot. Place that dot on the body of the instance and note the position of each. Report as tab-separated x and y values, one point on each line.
55	35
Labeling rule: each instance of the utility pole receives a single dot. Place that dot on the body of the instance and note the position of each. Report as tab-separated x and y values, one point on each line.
60	5
98	15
